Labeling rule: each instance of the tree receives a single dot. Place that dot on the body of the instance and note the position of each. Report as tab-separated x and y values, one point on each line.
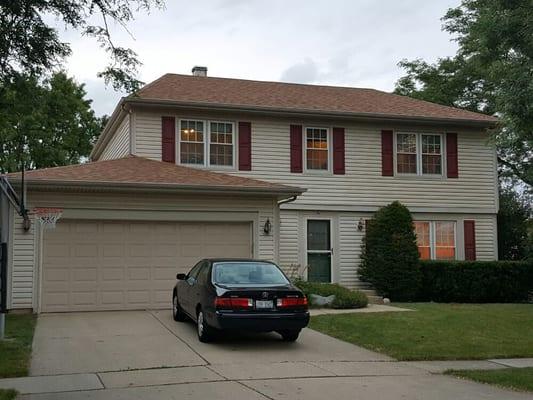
491	73
389	259
514	240
29	45
49	123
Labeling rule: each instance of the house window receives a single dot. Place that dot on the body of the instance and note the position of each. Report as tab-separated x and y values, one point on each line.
192	142
221	144
207	143
435	240
317	149
419	154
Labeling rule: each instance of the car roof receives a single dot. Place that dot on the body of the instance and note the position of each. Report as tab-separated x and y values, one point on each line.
215	260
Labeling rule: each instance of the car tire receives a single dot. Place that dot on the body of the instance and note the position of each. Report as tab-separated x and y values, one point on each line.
177	312
289	335
205	332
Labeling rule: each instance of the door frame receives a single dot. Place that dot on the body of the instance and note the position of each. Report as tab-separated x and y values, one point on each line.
333	243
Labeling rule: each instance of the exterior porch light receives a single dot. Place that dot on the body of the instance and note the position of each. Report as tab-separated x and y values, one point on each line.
360	225
267	228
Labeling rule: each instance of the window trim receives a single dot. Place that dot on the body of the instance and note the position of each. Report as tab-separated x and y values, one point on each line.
433	236
327	171
207	144
419	154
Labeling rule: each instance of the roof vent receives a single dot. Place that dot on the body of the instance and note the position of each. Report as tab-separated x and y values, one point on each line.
199	71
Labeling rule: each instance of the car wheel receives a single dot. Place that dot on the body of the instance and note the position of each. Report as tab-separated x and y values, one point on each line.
289	335
177	312
205	333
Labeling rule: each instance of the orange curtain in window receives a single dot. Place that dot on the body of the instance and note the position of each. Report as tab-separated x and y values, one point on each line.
422	239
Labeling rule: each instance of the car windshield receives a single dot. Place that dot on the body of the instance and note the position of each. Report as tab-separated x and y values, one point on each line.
247	274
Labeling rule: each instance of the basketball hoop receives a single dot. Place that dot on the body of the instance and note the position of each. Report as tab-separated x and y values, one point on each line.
48	216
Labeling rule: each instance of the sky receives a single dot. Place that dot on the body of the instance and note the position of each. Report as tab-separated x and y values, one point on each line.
354	43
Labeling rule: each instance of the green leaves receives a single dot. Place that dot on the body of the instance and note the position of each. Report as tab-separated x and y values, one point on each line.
390	254
45	124
30	46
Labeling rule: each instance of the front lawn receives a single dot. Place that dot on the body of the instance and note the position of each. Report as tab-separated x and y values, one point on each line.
511	378
438	331
16	349
7	394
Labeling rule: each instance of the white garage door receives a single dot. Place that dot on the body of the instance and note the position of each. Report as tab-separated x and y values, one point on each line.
118	265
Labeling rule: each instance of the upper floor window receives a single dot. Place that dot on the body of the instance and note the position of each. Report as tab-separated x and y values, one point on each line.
317	148
419	154
206	143
435	240
192	142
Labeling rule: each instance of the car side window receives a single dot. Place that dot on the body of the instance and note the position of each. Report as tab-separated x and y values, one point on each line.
202	275
193	273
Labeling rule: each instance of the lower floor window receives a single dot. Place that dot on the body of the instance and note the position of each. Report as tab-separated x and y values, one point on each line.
435	240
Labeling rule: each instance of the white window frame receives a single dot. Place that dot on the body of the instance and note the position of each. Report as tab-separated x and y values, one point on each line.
433	237
207	144
419	154
330	158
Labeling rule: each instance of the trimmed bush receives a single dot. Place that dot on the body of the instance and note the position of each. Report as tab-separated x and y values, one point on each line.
389	259
476	281
344	298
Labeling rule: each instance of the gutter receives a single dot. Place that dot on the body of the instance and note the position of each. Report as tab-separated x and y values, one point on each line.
158	187
201	106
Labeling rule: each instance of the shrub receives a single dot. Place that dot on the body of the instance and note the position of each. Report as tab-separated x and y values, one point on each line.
344	298
476	281
389	259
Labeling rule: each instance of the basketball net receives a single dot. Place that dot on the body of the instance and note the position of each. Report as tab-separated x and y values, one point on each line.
48	216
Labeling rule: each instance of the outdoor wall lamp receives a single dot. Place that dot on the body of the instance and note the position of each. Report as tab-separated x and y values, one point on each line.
267	227
360	224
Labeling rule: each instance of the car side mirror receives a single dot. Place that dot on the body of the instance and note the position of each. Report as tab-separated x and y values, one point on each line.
181	277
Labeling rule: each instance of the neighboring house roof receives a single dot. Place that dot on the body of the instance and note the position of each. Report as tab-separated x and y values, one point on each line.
137	172
298	97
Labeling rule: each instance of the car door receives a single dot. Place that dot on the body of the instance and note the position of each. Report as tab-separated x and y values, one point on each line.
184	292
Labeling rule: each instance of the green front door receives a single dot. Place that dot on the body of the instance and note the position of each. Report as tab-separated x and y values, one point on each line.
318	250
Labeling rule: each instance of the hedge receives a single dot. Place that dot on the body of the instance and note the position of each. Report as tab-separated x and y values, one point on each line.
476	281
344	298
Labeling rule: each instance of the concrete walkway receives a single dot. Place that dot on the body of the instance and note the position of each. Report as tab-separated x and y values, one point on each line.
146	355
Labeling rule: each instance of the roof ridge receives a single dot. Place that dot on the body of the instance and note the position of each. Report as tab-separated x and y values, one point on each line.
266	81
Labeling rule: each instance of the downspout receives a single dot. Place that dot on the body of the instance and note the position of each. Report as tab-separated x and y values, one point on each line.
290	200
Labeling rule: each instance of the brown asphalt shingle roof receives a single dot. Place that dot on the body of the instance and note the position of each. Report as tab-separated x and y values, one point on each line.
298	97
133	170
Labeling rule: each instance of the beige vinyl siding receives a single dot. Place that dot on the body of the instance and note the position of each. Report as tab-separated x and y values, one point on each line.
22	265
288	242
148	135
486	237
119	145
362	187
141	207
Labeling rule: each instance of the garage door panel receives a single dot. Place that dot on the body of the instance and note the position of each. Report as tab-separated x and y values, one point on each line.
114	265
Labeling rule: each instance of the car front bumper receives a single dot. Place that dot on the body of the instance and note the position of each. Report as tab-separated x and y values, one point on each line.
260	322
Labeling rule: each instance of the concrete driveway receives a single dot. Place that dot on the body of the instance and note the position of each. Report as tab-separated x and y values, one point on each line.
146	355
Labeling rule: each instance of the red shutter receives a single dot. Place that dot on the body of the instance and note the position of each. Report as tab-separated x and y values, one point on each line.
168	139
338	151
470	240
452	167
296	148
245	146
387	159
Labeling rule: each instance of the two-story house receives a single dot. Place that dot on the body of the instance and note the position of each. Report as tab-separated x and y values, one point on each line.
195	166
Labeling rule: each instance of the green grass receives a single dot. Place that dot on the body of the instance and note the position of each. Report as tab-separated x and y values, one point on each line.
510	378
438	331
7	394
16	349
